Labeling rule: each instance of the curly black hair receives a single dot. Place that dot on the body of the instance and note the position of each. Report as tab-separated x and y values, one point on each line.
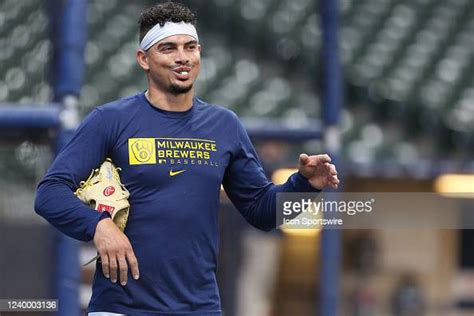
162	13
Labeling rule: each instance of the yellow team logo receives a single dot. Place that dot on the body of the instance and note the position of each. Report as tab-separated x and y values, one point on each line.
174	173
141	151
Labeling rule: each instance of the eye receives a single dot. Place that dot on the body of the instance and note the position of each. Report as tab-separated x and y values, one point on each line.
166	48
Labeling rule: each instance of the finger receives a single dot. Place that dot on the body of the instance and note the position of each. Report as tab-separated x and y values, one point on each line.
327	166
304	159
123	268
133	262
113	268
332	169
333	183
324	158
333	178
105	265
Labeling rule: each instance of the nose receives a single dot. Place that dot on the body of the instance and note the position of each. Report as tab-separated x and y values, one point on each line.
182	56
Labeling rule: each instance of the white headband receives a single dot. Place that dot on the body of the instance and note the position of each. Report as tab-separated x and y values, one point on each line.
157	33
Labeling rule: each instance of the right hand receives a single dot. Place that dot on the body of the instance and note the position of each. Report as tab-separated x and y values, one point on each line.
115	250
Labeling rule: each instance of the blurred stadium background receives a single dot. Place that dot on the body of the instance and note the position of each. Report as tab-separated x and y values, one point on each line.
408	117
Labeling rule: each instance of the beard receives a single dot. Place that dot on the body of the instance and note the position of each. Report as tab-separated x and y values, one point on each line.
176	89
172	88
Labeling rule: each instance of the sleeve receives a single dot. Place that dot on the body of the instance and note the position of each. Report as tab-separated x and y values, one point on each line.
249	189
55	199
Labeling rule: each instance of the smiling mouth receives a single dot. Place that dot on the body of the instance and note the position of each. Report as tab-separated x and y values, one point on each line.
182	70
181	75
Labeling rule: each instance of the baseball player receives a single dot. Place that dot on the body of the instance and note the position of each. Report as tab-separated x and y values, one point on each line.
175	150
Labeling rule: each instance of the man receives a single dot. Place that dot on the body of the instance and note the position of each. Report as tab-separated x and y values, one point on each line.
175	151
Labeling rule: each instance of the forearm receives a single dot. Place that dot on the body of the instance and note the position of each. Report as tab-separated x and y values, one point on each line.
56	202
262	213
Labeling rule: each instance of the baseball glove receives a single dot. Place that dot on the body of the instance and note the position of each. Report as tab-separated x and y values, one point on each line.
103	191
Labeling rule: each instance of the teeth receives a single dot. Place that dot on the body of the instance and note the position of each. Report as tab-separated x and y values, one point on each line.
183	73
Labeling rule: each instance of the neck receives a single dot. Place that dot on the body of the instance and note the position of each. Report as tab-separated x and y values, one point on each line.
170	102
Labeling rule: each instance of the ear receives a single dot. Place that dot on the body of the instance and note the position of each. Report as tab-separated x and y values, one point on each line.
142	59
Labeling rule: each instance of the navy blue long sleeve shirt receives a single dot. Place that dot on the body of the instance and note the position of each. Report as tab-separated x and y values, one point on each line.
173	164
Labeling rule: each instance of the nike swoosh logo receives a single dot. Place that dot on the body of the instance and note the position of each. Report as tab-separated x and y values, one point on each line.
174	173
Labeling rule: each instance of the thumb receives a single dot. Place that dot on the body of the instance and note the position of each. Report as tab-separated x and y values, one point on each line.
304	159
